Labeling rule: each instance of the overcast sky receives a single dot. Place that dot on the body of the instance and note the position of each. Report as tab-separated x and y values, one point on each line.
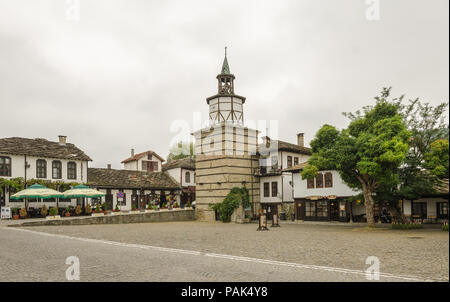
117	78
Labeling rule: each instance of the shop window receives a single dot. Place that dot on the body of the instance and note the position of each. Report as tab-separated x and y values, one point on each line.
419	210
442	210
322	209
310	209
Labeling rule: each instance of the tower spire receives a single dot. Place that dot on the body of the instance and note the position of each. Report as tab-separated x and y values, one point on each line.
225	66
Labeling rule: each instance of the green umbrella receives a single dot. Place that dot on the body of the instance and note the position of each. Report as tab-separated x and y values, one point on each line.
82	191
37	191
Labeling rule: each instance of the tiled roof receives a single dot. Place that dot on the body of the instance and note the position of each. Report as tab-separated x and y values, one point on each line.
130	179
298	167
442	186
285	146
185	163
40	147
142	154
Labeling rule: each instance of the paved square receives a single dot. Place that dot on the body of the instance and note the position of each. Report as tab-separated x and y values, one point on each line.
293	252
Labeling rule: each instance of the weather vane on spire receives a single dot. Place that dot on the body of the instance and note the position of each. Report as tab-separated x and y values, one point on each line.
225	51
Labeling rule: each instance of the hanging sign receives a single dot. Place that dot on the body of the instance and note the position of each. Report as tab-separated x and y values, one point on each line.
6	213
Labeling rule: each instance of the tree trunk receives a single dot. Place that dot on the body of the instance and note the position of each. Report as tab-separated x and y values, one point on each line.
368	202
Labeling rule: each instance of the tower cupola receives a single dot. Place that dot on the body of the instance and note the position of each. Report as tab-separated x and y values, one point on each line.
226	106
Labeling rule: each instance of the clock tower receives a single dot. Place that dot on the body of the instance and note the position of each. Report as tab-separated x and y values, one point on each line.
226	106
226	152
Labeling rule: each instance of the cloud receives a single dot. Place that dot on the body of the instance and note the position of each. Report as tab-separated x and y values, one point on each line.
120	76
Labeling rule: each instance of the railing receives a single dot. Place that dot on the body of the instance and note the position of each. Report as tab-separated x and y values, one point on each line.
267	171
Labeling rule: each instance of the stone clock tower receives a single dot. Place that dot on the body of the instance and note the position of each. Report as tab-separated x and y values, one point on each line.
226	152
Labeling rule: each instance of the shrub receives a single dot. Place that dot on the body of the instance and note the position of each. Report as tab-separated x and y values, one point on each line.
117	208
406	226
44	210
78	210
23	213
104	206
445	227
88	209
53	211
133	208
236	197
97	208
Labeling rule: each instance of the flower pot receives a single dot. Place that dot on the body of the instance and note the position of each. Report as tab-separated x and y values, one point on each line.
97	214
67	214
16	217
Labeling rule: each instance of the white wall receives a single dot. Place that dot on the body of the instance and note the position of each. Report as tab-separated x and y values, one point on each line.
270	179
431	205
137	165
175	173
284	155
339	188
184	183
18	168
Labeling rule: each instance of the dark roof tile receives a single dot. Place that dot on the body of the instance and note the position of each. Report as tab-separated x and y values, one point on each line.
40	147
185	163
131	179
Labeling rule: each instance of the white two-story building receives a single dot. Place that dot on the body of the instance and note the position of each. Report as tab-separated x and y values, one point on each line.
328	198
324	198
43	160
275	183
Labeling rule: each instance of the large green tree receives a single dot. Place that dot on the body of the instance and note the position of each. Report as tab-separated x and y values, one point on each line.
437	159
368	153
428	126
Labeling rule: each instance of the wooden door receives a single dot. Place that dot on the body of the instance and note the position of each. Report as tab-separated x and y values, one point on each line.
300	211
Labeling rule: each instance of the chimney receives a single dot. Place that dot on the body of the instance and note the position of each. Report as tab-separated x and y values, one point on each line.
266	141
301	139
62	139
109	166
132	152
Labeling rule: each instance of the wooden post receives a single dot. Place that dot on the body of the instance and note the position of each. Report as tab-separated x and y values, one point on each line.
262	221
351	211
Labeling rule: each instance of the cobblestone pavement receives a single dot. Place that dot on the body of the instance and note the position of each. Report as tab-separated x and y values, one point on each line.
35	256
